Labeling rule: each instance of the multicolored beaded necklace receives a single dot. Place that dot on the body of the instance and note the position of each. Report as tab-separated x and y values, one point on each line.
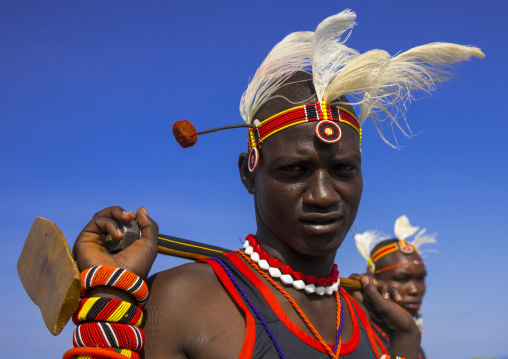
308	283
340	312
285	270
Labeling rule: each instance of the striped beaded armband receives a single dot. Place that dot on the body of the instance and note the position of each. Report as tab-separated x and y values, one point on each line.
99	353
107	310
108	335
115	277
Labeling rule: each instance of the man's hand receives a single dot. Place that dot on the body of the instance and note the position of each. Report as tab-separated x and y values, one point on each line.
395	321
138	258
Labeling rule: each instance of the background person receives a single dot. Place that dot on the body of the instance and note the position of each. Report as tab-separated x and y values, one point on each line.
398	263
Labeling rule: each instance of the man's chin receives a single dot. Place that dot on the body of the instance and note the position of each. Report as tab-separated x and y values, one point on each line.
412	309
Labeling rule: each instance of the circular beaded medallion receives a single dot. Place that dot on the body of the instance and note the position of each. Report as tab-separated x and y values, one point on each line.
405	247
328	131
253	159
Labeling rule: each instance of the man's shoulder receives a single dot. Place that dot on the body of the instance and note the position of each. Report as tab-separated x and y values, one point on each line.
187	311
185	280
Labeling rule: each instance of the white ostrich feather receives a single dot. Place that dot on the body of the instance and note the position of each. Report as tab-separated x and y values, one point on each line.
403	228
381	85
358	76
419	69
367	240
329	54
291	55
420	239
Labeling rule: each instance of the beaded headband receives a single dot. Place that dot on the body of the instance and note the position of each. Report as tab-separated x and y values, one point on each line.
414	262
327	129
401	245
367	241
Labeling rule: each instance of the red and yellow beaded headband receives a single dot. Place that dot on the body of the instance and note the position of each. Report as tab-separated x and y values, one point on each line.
327	130
414	262
401	245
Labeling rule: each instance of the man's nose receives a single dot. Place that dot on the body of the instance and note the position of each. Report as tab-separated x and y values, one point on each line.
413	288
321	190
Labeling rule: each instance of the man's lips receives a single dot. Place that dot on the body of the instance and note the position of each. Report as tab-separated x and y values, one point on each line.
320	223
320	218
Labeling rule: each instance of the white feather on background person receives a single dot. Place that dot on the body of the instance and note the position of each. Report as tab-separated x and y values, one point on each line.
403	228
367	240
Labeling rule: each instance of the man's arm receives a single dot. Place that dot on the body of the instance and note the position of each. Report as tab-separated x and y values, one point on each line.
190	315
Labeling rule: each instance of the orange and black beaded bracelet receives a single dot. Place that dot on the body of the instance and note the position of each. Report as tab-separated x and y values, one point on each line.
115	277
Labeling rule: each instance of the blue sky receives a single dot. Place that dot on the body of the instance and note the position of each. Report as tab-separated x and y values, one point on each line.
89	91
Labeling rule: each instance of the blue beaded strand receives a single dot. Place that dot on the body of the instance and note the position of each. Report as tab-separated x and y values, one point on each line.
253	307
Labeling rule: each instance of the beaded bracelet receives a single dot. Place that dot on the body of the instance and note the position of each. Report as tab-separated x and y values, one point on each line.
107	310
384	356
99	353
109	335
115	277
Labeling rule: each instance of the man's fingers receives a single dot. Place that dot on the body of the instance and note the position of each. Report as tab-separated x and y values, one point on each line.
117	213
395	292
370	291
139	256
98	226
149	229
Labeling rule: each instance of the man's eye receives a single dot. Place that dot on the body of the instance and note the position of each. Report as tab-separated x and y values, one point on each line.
344	167
292	168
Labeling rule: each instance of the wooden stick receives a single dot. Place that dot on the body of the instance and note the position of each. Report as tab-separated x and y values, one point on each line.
184	248
51	278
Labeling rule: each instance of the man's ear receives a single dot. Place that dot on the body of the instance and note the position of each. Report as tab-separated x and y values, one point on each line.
246	176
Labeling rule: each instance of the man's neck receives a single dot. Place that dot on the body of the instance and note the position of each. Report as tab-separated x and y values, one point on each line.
319	266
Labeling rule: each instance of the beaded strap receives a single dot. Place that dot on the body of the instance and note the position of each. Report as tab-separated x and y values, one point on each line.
251	304
115	277
107	310
100	353
109	335
340	311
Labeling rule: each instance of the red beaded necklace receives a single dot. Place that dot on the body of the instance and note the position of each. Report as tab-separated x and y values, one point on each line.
308	283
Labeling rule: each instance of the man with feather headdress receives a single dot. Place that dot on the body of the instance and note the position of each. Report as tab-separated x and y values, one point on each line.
397	262
279	296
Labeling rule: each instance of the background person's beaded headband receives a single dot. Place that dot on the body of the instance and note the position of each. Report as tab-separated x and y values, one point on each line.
367	241
378	84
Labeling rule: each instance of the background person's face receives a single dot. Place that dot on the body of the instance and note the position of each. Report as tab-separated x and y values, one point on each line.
409	279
